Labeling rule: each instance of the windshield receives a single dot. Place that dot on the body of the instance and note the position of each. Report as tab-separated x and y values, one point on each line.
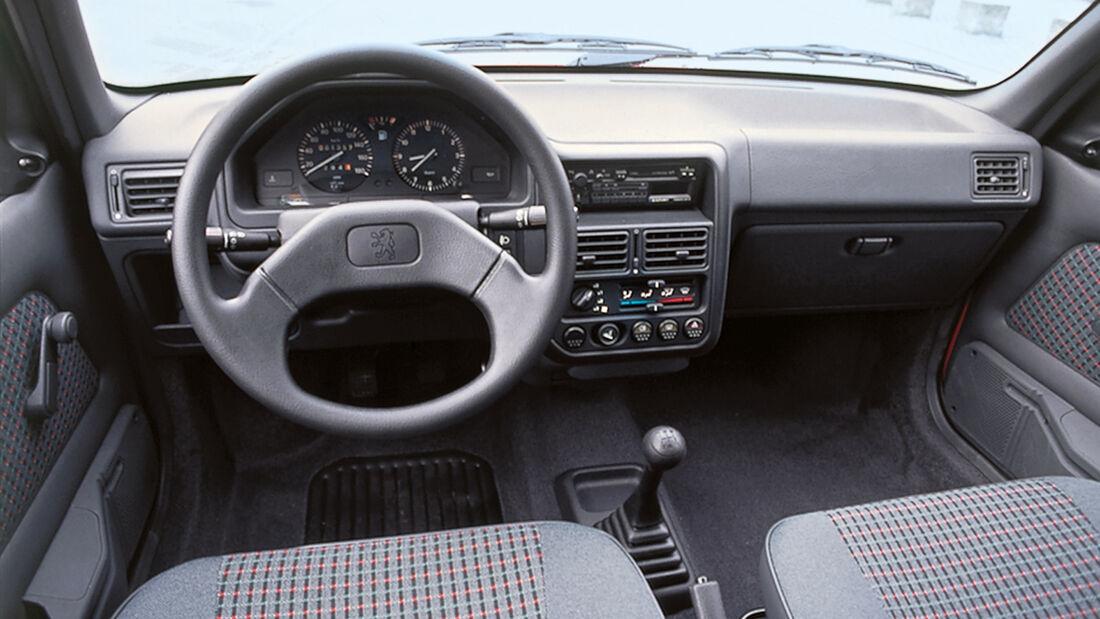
941	43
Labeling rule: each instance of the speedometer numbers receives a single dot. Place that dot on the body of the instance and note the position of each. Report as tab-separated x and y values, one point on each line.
429	156
335	156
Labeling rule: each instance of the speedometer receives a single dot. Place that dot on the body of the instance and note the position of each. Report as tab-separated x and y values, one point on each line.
429	156
335	156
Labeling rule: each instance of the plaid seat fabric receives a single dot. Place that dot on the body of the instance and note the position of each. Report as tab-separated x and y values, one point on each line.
530	570
487	572
1019	549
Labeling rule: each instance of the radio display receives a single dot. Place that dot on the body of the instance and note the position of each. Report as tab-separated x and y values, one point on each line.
635	184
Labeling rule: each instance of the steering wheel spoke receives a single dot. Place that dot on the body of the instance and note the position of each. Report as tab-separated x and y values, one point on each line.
258	319
504	298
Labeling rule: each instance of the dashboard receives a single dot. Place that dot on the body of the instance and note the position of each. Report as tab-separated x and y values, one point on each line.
334	145
697	197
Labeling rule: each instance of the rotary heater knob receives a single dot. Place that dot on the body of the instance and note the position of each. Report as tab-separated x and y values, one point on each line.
583	298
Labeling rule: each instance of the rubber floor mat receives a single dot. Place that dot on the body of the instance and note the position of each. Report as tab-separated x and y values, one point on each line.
377	497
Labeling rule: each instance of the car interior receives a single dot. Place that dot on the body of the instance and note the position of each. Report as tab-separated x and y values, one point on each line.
381	331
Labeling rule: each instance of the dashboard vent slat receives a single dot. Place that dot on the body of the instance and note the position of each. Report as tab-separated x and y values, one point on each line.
674	248
142	192
603	250
998	176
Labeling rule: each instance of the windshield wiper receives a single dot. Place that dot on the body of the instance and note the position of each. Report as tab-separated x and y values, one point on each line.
599	51
841	54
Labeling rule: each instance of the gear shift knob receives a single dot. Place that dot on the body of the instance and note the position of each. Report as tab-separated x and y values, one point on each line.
664	447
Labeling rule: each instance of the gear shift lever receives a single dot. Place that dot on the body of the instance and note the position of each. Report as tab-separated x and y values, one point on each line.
639	518
664	447
640	525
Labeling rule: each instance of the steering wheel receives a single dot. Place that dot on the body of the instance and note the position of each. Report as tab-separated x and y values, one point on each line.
373	246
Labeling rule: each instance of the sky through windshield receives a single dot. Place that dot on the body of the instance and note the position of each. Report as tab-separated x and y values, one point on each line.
140	43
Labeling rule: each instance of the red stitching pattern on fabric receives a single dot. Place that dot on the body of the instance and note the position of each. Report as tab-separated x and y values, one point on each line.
29	451
1022	548
1059	311
975	537
487	572
955	519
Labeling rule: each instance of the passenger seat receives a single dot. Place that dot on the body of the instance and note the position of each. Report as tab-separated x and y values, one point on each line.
1025	548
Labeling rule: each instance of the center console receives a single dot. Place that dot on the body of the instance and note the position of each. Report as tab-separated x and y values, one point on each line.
648	268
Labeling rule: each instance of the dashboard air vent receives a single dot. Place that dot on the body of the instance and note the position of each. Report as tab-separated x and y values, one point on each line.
603	250
999	175
143	192
674	248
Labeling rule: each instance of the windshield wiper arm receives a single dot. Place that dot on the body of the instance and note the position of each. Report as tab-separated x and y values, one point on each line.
841	54
521	41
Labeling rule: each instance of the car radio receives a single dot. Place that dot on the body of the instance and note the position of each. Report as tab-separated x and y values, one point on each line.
599	185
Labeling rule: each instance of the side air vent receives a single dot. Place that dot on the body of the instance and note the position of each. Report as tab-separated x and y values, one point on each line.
674	248
999	175
143	192
603	250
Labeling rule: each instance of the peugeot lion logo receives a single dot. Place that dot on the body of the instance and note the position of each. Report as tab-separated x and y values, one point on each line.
384	245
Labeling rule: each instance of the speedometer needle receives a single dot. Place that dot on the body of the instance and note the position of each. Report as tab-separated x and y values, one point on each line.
327	161
426	156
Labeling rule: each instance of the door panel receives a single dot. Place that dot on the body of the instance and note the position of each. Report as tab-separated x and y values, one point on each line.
51	262
31	446
1026	366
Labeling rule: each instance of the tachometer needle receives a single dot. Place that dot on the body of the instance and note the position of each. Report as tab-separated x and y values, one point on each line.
324	163
426	156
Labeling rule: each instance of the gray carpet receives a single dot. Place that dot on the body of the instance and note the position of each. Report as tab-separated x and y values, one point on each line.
787	415
794	415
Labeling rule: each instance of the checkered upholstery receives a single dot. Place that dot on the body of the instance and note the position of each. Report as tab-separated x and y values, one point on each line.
29	450
1017	549
1027	548
529	570
489	572
1061	313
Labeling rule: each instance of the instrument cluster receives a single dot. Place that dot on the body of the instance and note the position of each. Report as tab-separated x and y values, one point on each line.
334	148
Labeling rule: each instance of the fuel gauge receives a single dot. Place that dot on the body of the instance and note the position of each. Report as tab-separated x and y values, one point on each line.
382	126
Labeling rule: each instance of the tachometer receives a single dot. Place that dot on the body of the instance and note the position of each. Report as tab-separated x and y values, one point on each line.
335	156
429	156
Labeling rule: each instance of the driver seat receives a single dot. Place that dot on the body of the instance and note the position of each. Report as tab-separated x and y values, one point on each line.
537	569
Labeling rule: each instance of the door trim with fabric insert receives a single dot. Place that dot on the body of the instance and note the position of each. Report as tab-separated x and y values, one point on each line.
1061	312
28	449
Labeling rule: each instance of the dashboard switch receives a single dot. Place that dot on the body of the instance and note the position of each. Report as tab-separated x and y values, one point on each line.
574	337
608	334
694	327
668	329
642	331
